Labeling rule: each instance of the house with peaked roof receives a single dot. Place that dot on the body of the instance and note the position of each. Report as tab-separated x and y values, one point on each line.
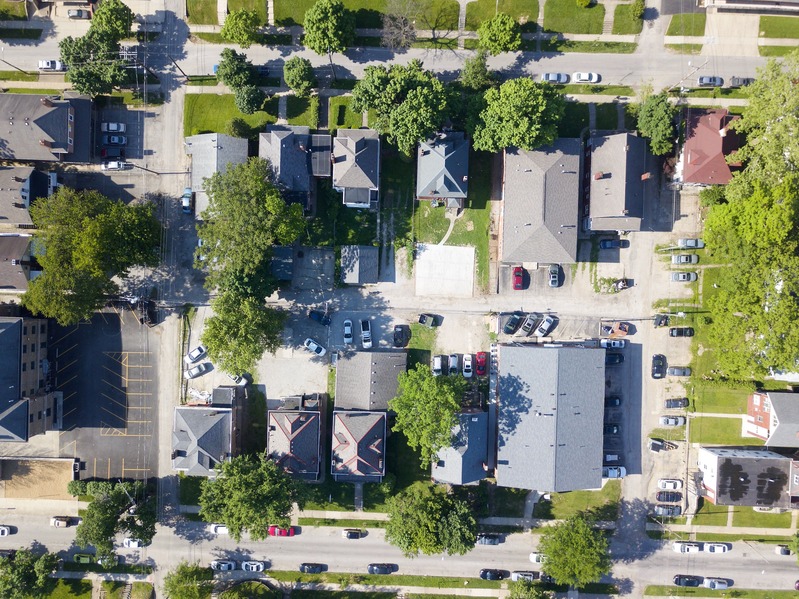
20	186
540	203
17	266
550	412
465	461
211	153
359	264
708	142
745	476
293	440
46	128
368	380
442	169
359	446
773	417
356	167
618	182
296	157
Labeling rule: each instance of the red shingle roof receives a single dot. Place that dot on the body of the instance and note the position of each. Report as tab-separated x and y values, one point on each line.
708	140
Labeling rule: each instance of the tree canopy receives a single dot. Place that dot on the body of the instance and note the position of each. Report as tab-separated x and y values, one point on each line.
249	98
426	406
189	581
656	122
526	589
576	552
329	27
520	112
410	103
423	520
234	69
475	75
399	24
27	574
86	238
500	34
241	27
248	495
299	76
114	18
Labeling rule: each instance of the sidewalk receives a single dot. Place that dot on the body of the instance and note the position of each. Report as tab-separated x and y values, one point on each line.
400	590
742	530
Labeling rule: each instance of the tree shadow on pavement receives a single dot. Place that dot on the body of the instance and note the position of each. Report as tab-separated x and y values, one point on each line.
630	543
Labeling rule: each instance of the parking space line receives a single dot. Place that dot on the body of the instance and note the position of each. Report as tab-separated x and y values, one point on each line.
112	414
67	366
61	352
140	407
68	430
121	390
57	341
102	315
139	422
64	384
108	427
119	403
70	395
127	380
139	393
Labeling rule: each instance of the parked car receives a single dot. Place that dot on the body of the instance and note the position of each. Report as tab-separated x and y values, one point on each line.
671	497
614	401
717	584
710	81
518	277
380	568
611	429
115	140
492	574
112	127
545	327
488	538
437	367
669	484
678	371
690	243
78	13
132	543
686	580
195	354
311	568
187	200
683	277
402	334
668	510
314	347
554	275
60	521
614	472
612	343
238	379
197	371
252	566
537	557
452	364
83	558
319	316
8	554
681	332
613	244
782	550
612	358
555	78
658	366
661	320
352	533
683	547
223	565
684	259
528	575
219	529
581	77
513	323
51	65
114	165
348	332
716	547
277	531
428	320
741	81
112	152
529	323
467	366
672	420
366	334
480	363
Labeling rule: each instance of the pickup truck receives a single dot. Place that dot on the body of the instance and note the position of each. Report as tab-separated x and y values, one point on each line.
51	65
112	127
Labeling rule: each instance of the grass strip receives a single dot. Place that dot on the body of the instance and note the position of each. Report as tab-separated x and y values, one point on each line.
18	76
202	12
20	34
685	48
343	523
776	50
779	27
564	16
558	45
452	582
687	24
623	21
674	591
605	90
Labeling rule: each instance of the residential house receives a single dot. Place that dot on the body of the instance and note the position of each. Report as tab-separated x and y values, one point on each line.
540	204
356	167
45	128
618	182
442	169
465	461
294	434
368	380
296	158
745	476
774	417
212	153
708	142
359	446
29	405
359	264
20	186
17	266
551	408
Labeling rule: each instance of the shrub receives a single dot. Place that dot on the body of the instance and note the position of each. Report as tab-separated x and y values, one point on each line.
584	3
249	99
637	9
237	127
99	488
77	488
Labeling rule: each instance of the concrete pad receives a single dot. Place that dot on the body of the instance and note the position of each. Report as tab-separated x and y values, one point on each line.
444	270
36	479
730	34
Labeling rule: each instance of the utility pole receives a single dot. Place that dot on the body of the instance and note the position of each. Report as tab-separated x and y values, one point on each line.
3	53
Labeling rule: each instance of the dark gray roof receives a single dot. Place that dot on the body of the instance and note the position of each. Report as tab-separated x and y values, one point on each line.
551	405
617	191
746	477
368	380
540	197
359	446
15	195
288	150
14	247
463	462
359	264
211	153
224	396
785	409
283	262
321	149
293	442
37	127
442	167
201	439
356	164
14	415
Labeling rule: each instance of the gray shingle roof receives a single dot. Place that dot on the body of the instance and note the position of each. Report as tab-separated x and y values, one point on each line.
201	439
462	462
356	164
442	167
359	264
617	196
785	408
359	445
367	380
14	415
551	405
288	150
14	247
293	442
13	184
211	153
540	197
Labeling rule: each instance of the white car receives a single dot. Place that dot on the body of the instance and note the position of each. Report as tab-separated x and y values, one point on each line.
112	127
219	529
195	354
612	343
4	531
131	543
223	565
468	371
669	484
348	332
585	78
537	557
716	547
555	78
614	472
51	65
545	327
114	165
690	243
252	566
672	420
717	584
197	371
683	547
314	347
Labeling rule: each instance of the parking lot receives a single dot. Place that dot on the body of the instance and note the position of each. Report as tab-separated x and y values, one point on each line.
133	120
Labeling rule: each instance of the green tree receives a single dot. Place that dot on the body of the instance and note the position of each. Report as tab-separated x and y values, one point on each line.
94	63
249	99
576	552
329	28
238	127
299	76
475	75
526	589
656	122
114	18
500	34
522	113
421	520
248	495
426	406
793	544
189	581
26	575
234	69
241	27
637	9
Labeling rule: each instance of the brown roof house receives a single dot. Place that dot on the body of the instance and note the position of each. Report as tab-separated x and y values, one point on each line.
774	417
708	141
293	436
356	167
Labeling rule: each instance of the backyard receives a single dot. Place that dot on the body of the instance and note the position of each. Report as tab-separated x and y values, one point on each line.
603	504
709	430
335	224
574	120
623	21
341	116
211	113
303	111
523	11
779	27
259	7
565	16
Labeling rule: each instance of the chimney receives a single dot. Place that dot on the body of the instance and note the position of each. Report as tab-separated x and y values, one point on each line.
646	176
599	175
47	102
45	143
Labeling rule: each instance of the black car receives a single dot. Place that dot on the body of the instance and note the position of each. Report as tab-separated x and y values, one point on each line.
676	403
686	580
322	318
612	244
611	429
428	320
741	81
546	579
669	511
658	366
681	332
491	574
380	568
669	496
513	323
309	568
661	320
612	359
488	538
614	401
402	334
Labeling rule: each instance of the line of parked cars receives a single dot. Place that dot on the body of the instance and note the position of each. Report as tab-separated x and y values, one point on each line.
526	323
518	272
453	365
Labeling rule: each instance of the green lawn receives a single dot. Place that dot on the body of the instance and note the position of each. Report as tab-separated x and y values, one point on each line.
114	590
623	21
303	594
607	116
351	225
556	45
690	24
508	502
524	11
685	48
452	582
673	591
253	439
13	11
719	431
430	224
776	50
422	344
440	16
303	111
63	588
190	489
210	113
259	6
341	522
729	538
251	589
368	41
367	12
17	76
603	503
341	116
746	516
564	16
398	197
202	12
574	120
777	27
671	433
711	515
719	400
605	90
436	43
20	34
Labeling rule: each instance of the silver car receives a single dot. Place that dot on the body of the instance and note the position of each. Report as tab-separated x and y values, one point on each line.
690	242
197	371
684	259
672	420
683	277
348	332
555	78
545	327
678	371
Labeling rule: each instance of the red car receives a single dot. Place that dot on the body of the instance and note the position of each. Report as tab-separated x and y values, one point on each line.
480	360
276	531
518	277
